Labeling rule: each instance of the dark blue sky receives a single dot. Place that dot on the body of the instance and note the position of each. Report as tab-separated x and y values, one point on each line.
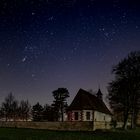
47	44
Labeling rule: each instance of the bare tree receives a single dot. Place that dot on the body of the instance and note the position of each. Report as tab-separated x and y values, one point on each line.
10	107
24	110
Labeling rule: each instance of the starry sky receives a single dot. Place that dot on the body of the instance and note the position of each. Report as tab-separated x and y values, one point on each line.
47	44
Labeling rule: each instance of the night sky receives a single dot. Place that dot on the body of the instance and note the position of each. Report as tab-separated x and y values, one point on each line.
47	44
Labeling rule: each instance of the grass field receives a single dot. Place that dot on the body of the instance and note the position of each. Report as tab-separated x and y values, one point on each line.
31	134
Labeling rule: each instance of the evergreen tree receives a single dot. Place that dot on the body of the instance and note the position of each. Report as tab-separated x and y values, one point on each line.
60	95
37	112
49	113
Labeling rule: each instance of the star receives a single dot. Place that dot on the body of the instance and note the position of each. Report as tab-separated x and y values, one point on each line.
24	59
51	33
33	13
8	65
106	34
33	75
51	18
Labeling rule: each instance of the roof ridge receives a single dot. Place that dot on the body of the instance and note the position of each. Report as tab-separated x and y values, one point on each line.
87	100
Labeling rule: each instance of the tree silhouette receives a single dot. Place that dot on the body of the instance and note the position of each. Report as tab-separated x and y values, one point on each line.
24	110
49	113
124	91
10	107
37	112
60	95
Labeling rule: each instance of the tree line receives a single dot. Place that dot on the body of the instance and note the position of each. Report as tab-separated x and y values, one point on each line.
123	95
14	110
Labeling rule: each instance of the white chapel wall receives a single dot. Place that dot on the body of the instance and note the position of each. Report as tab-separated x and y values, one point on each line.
99	116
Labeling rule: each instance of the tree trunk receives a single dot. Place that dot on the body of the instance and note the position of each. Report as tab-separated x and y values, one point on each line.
134	112
26	117
132	120
62	117
6	118
125	120
125	124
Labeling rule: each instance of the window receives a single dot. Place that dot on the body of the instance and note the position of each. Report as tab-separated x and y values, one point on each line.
87	115
76	115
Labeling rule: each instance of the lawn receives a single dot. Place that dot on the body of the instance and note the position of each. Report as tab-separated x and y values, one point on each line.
31	134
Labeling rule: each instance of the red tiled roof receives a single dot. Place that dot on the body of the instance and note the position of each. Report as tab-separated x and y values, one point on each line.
87	101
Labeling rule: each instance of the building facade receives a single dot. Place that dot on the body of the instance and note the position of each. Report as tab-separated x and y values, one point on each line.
88	107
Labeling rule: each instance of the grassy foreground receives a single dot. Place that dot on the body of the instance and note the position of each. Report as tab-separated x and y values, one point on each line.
31	134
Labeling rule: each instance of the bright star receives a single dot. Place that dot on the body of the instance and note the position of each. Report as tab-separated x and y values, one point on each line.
24	59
